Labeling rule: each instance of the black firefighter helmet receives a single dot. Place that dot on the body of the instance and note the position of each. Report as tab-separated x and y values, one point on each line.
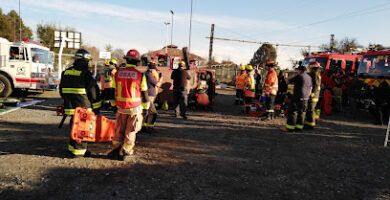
82	55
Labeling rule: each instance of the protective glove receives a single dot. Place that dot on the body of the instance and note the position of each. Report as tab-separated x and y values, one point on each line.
146	105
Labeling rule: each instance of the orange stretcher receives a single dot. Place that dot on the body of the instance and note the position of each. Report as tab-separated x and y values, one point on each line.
87	127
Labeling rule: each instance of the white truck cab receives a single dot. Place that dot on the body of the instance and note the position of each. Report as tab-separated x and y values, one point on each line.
24	65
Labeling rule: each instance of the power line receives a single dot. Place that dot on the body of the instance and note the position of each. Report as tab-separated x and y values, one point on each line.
258	42
346	15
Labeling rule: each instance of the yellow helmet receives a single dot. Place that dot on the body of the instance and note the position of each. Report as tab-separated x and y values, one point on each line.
113	61
107	62
200	87
242	67
249	67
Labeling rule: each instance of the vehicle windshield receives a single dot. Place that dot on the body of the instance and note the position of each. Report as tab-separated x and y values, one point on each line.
375	65
41	56
322	61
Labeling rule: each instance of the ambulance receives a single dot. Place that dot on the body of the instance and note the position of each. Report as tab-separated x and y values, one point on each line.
24	65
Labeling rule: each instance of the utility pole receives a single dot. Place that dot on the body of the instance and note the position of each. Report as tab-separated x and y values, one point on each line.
189	42
331	45
166	39
14	28
172	28
20	24
211	44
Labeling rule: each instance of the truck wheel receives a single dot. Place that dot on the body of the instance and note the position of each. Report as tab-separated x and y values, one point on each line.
5	86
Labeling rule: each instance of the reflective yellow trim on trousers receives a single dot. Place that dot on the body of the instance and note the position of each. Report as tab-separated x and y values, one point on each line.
147	125
77	152
290	127
317	113
298	126
312	124
97	105
270	111
314	100
74	91
127	146
69	111
117	142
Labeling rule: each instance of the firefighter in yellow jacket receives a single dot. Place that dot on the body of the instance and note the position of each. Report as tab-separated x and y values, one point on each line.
249	88
78	89
240	82
131	97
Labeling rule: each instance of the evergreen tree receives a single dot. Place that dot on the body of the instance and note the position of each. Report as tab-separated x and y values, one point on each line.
263	54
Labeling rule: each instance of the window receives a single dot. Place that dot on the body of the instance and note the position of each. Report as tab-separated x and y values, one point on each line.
18	53
348	67
334	66
41	56
375	65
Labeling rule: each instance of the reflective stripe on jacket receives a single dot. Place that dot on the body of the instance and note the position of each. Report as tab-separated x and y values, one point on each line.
128	84
240	81
249	89
271	82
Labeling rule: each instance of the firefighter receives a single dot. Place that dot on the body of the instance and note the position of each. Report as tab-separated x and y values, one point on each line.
249	88
108	91
78	89
298	102
154	80
131	97
240	82
271	89
315	74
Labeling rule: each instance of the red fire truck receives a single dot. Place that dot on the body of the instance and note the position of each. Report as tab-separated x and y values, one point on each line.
373	65
331	62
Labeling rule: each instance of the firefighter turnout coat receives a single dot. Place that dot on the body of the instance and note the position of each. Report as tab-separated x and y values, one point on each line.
78	89
271	83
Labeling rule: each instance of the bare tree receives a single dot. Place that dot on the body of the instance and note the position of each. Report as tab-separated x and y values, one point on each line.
347	45
108	48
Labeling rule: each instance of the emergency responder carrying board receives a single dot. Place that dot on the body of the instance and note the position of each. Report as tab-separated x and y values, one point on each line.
131	98
315	74
108	91
78	89
240	82
298	102
271	89
249	88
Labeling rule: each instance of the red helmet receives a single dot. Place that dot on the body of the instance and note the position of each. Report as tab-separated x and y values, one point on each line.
270	63
314	64
133	54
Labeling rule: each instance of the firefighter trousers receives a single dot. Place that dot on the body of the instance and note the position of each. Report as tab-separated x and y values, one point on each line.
152	114
71	102
127	127
239	96
296	114
270	105
310	119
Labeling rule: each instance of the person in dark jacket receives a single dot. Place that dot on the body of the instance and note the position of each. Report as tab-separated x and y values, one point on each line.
298	102
382	99
180	79
315	74
78	89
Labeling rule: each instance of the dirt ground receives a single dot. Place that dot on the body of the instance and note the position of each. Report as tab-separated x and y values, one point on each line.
218	154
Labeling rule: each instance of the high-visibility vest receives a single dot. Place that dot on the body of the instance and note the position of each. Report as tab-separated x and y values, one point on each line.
240	81
106	78
249	89
271	83
128	87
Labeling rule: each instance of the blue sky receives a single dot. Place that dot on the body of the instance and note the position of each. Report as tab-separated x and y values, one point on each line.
139	24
